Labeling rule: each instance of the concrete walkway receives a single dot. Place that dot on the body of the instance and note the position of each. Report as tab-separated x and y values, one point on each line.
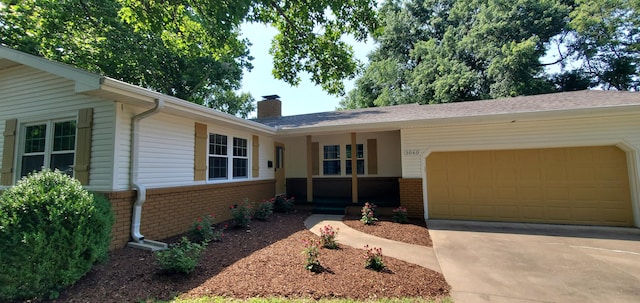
416	254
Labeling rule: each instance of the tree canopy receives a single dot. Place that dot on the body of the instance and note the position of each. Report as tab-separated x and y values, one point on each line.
191	49
438	51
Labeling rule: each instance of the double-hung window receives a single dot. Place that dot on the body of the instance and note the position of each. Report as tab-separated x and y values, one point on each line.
331	160
49	144
359	153
240	158
218	158
228	157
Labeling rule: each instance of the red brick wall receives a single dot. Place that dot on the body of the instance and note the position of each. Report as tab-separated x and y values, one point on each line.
411	197
171	211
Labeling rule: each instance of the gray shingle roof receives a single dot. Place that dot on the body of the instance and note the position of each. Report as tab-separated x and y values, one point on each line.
566	101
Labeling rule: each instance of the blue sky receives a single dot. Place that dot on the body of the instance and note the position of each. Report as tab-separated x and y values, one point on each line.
303	99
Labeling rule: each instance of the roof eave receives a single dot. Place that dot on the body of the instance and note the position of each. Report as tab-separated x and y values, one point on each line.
617	110
144	97
84	80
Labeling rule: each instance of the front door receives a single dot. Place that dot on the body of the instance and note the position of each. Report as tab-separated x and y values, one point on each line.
279	169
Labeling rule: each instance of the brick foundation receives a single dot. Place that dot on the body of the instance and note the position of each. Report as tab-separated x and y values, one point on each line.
171	211
411	197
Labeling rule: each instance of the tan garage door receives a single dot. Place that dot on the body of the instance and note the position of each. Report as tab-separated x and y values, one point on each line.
578	185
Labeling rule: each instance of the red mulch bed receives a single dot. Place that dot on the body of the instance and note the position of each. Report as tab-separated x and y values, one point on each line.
414	231
266	261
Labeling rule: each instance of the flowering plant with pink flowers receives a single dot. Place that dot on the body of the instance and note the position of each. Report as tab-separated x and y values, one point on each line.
328	237
368	213
373	258
400	215
203	230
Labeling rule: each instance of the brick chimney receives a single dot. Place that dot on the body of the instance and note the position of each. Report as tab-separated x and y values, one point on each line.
270	107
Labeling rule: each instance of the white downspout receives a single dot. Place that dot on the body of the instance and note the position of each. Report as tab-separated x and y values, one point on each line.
133	177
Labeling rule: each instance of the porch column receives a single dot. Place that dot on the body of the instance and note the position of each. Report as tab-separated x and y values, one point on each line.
354	169
309	169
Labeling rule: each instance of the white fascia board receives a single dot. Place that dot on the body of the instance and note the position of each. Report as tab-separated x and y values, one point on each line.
181	107
84	81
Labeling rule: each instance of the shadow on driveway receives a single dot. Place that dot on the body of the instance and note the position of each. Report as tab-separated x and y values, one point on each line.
519	262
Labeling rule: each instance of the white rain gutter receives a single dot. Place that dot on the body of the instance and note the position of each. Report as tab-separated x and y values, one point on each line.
140	188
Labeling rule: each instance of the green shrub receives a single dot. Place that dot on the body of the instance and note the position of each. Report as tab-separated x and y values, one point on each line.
311	252
202	230
400	215
282	204
181	257
51	233
241	213
262	210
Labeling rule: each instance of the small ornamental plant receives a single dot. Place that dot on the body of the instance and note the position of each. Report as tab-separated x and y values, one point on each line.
373	258
262	210
241	213
400	215
368	214
282	204
181	257
311	252
328	237
203	230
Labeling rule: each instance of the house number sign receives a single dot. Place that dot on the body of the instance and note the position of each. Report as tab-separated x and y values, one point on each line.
412	152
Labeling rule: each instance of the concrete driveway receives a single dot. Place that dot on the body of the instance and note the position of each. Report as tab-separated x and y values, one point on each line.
514	262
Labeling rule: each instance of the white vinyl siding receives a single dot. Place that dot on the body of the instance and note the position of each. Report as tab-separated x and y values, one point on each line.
267	153
166	154
599	131
31	95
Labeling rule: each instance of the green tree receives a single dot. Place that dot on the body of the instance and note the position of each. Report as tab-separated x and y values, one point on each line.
191	49
607	40
438	51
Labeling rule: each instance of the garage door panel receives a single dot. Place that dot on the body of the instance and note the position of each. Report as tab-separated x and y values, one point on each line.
460	193
507	194
507	212
554	174
532	212
584	194
581	155
613	194
581	185
531	175
529	194
461	210
440	194
555	193
556	213
582	174
440	210
483	211
481	193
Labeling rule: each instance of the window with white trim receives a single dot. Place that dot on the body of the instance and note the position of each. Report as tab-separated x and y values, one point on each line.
240	158
223	152
359	159
50	144
218	158
331	160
